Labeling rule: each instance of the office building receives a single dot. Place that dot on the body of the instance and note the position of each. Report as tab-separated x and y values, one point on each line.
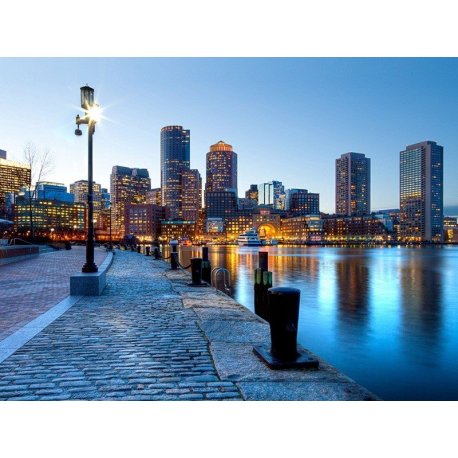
177	230
143	221
154	197
221	204
353	185
221	169
175	159
13	176
54	219
421	192
191	194
127	186
272	194
300	202
47	190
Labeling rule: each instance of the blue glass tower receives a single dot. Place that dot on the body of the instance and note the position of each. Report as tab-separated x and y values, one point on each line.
175	159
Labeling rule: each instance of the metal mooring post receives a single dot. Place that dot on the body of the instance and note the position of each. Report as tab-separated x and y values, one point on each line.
284	353
196	272
174	255
148	249
139	248
206	266
262	282
157	253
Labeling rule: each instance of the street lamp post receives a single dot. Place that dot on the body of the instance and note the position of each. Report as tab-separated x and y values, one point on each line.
91	114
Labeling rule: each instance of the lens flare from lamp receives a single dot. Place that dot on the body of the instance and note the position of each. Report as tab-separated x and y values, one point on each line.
95	113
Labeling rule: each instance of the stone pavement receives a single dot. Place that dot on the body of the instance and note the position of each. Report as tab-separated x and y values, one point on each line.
150	336
31	287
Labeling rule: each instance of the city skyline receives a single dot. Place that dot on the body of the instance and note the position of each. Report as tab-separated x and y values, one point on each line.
130	134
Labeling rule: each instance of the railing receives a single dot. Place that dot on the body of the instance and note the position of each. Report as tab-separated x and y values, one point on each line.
226	284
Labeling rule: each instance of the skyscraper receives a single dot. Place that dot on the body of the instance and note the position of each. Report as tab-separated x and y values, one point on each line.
175	159
221	169
353	185
192	194
421	192
80	190
127	186
272	194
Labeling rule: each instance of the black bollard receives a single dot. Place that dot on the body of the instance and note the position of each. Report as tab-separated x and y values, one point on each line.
262	282
132	248
157	253
196	272
174	256
206	266
260	306
139	248
148	249
283	309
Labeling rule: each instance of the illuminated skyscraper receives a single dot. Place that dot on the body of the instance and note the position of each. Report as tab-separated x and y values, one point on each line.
421	192
353	185
221	169
192	194
127	186
13	176
175	157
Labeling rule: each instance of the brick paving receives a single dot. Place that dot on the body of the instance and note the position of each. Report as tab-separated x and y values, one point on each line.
135	342
31	287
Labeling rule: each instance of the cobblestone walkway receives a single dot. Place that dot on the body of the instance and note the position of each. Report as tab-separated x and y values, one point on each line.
136	342
151	336
31	287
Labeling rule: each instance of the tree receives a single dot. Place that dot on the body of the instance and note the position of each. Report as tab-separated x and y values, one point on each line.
40	163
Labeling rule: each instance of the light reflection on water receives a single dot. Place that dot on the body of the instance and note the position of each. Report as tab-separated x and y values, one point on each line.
387	317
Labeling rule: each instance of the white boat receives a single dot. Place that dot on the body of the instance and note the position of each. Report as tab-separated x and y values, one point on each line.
249	238
271	242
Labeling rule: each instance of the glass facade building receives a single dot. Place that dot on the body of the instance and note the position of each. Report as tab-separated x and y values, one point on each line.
272	194
353	185
175	159
421	192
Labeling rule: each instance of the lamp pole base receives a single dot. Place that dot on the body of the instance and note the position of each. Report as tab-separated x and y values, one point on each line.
89	268
302	360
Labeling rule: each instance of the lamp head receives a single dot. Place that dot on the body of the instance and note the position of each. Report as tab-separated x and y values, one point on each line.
78	132
87	97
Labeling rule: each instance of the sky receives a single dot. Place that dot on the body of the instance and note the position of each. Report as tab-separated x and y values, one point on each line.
288	119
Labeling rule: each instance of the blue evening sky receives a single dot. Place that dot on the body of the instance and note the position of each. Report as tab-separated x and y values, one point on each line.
287	119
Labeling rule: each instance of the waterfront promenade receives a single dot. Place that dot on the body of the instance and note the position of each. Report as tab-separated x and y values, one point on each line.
150	336
30	287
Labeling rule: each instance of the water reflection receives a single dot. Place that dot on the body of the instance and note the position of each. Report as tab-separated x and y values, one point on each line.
387	317
421	318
